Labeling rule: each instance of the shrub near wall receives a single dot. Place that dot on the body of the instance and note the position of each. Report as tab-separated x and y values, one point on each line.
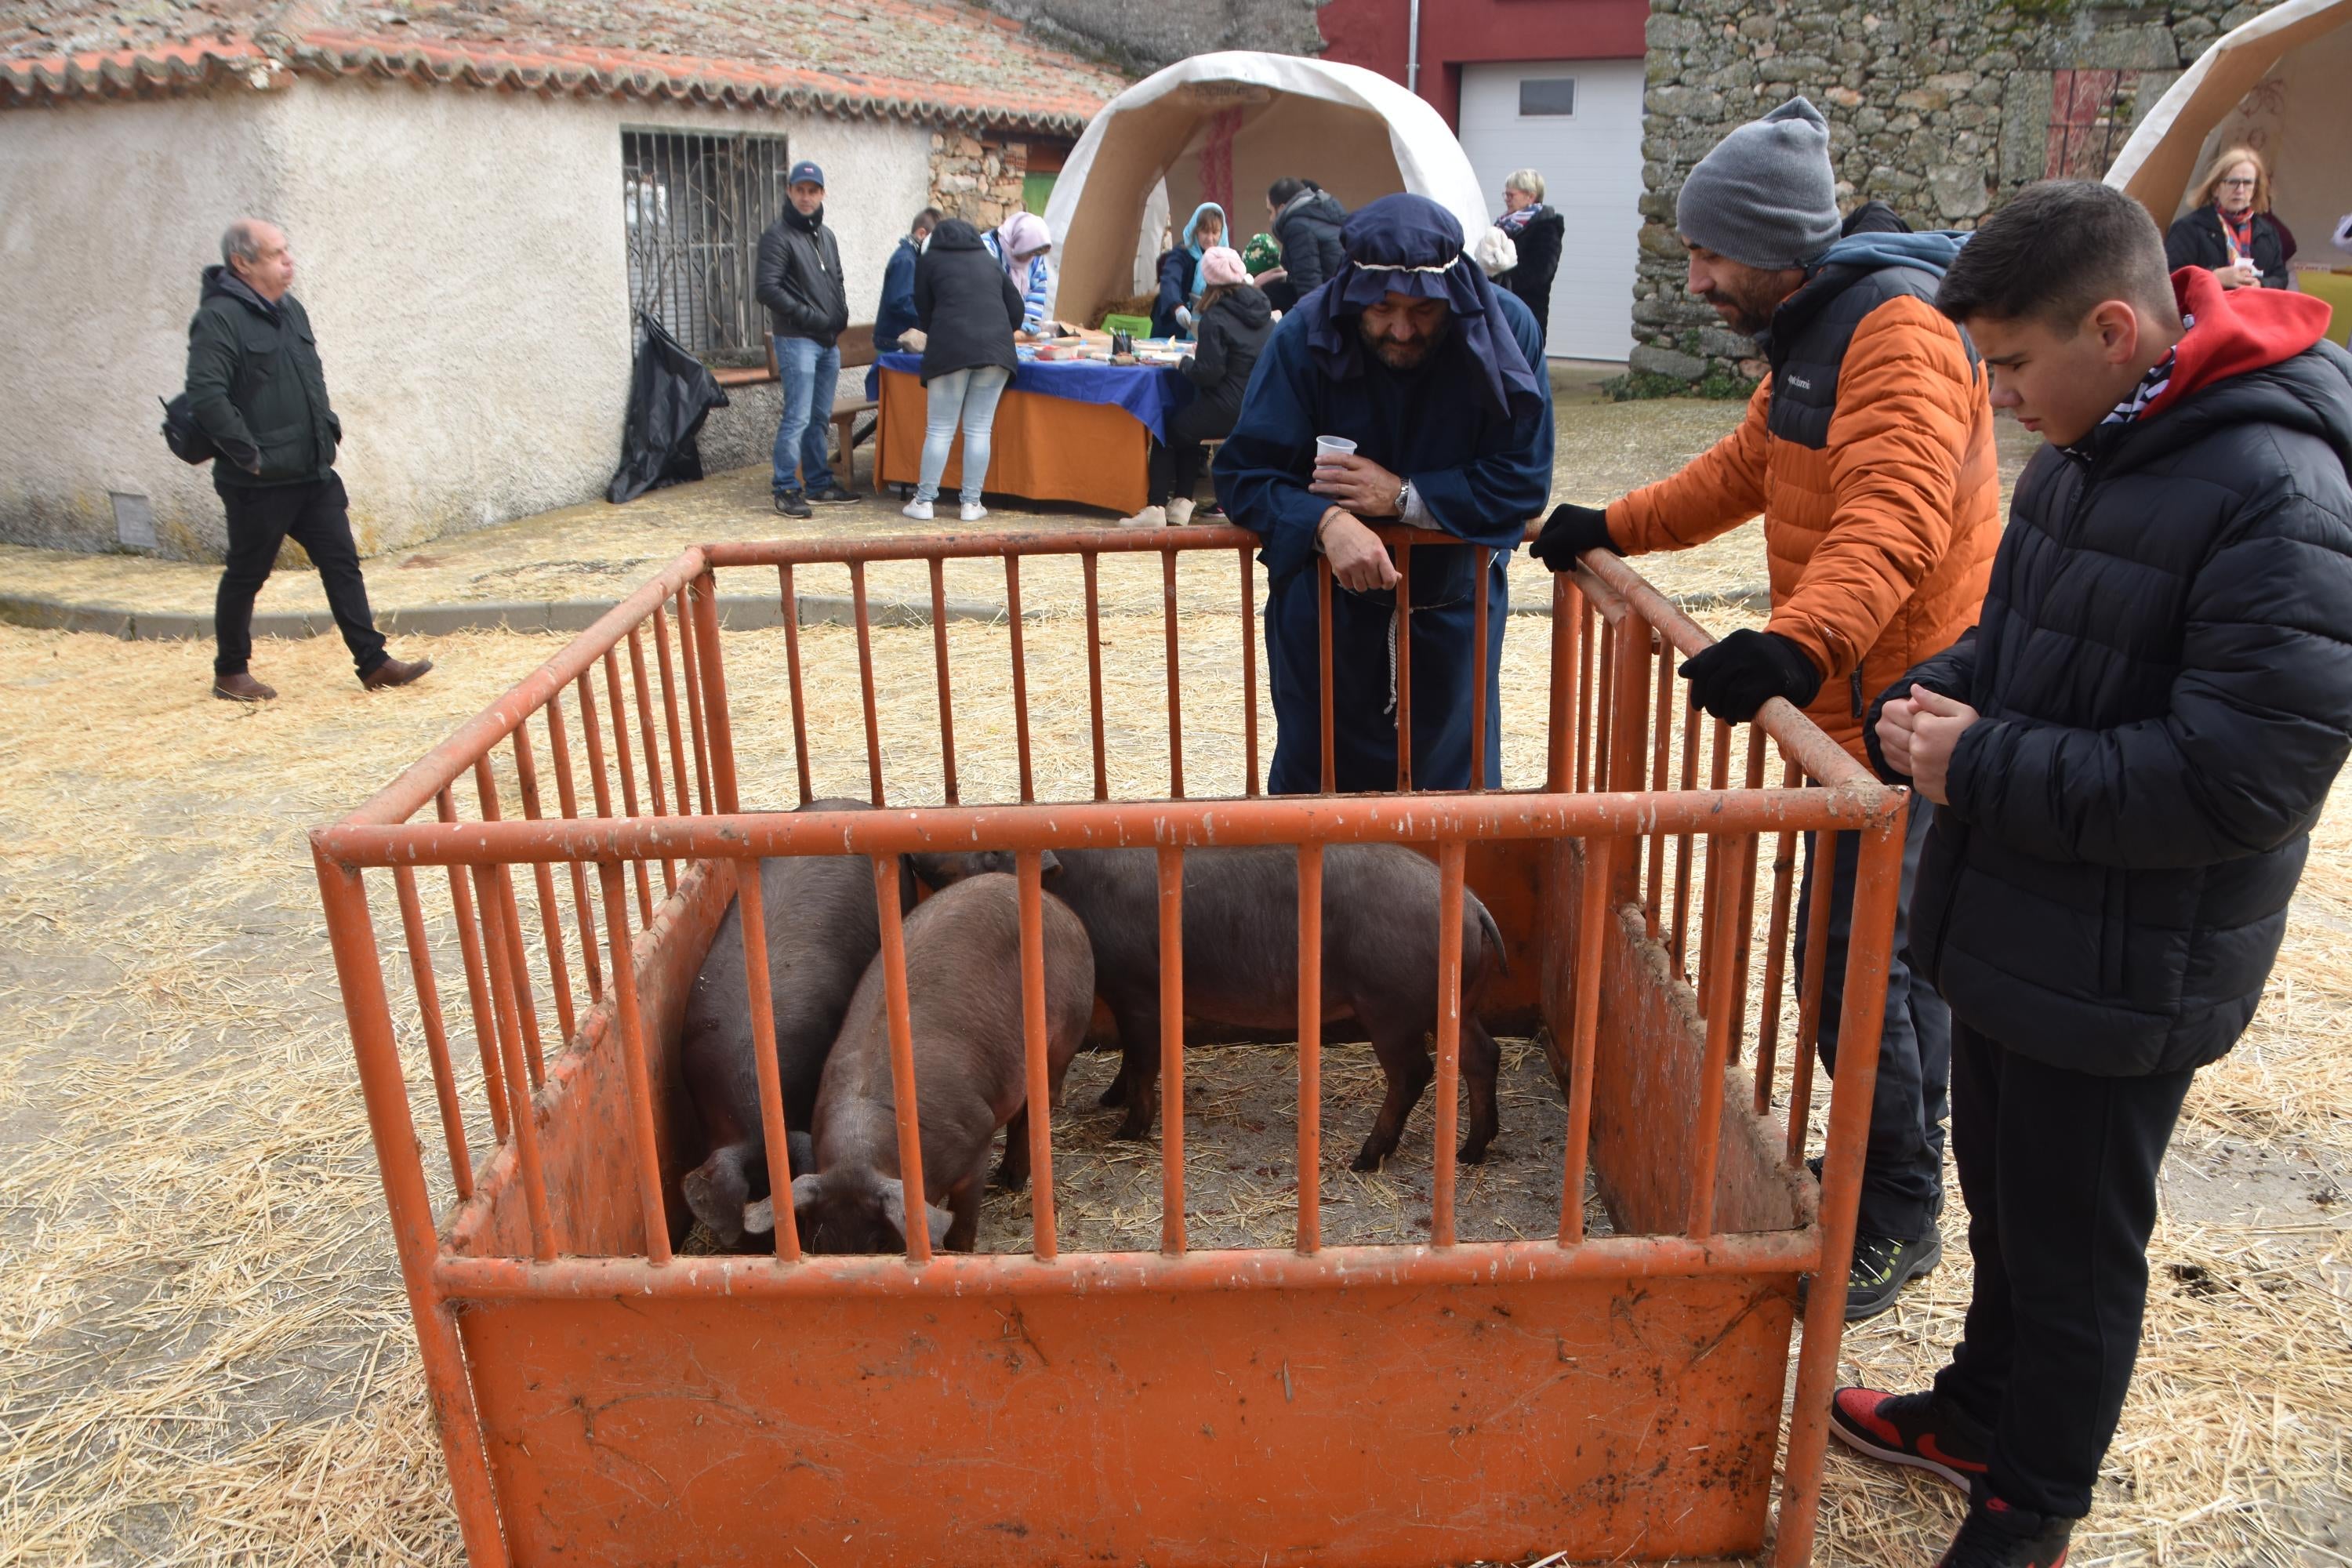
1943	110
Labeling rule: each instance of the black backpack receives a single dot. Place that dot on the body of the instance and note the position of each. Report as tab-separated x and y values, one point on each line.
183	435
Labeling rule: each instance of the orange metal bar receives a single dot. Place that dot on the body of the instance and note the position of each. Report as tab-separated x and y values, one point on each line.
1783	1252
902	1057
360	976
1039	1104
759	995
792	663
647	1156
1710	928
1775	956
1559	767
664	660
1401	670
865	679
1603	707
1683	847
1723	1005
1020	675
559	750
1591	922
522	1113
648	738
947	694
1249	675
1092	567
1629	739
1310	1048
550	919
1323	652
1823	856
1663	727
1450	857
1175	678
478	985
1878	879
690	666
1744	938
1482	557
505	928
1171	1051
437	1040
1588	725
628	776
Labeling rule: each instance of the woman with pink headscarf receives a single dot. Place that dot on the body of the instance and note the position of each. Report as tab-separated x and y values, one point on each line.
1021	244
1230	332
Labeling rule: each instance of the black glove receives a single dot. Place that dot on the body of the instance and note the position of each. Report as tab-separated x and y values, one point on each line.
1745	671
1569	532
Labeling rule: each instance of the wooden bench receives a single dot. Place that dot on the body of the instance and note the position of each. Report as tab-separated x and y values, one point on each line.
856	345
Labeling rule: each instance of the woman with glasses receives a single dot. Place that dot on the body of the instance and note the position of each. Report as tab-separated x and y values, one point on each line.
2228	228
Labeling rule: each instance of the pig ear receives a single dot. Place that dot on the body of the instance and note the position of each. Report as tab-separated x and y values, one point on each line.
894	1209
1048	864
760	1218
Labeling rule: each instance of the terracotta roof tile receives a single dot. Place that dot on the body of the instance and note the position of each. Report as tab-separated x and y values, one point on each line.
915	59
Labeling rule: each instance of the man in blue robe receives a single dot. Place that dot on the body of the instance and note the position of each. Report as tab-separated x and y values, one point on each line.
1438	378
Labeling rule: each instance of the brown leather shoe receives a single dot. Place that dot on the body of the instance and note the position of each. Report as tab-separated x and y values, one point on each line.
392	672
241	687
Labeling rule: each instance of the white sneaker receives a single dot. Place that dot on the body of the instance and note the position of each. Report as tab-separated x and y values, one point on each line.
921	511
974	512
1150	517
1180	511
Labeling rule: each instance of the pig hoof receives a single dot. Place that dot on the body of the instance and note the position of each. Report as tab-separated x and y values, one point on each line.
1011	1180
1472	1154
1132	1130
1369	1160
1116	1095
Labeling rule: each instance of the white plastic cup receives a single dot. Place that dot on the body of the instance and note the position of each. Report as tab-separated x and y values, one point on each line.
1332	446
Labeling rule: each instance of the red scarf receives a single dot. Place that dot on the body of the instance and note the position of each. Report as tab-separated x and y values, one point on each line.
2239	232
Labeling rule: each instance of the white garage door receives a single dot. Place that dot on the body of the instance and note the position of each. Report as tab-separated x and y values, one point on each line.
1579	124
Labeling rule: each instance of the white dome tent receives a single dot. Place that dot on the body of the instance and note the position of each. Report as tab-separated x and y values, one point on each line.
2281	84
1224	127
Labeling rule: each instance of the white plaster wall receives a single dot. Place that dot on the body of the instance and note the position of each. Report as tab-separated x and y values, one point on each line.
460	252
109	214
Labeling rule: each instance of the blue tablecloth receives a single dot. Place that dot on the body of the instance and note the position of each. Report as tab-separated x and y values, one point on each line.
1151	393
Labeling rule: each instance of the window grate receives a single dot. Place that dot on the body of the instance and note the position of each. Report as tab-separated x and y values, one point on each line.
695	206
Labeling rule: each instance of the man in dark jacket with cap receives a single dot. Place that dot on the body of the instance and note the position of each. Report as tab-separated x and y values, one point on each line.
2127	755
1434	375
800	281
257	391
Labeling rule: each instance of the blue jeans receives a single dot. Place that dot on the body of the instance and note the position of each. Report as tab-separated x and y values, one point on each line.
965	397
809	373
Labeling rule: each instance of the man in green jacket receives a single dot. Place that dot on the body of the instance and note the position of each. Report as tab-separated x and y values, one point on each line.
256	388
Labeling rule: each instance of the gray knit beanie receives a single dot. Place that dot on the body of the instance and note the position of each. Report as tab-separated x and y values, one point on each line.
1766	195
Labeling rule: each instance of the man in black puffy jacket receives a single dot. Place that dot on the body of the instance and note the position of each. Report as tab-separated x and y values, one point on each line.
800	281
2127	755
257	391
1306	220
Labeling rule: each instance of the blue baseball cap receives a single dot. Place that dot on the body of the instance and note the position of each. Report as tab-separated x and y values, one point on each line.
806	174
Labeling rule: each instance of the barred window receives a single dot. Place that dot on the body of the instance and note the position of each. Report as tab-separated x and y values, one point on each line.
695	206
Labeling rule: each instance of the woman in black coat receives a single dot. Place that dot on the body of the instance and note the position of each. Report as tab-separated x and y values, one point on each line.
2230	230
1234	323
1536	231
966	309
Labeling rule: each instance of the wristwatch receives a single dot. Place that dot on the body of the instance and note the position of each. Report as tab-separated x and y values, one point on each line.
1404	498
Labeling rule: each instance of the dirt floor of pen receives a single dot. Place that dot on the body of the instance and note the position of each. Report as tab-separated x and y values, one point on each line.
205	1354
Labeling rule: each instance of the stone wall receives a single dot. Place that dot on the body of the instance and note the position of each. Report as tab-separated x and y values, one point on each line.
977	178
1139	36
1942	108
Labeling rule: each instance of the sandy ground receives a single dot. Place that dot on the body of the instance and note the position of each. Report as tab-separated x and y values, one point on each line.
203	1353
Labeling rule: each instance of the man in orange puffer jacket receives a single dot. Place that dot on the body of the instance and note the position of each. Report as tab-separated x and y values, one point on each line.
1869	449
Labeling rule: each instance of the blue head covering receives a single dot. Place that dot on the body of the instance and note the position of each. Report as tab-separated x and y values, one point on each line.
1409	245
1192	240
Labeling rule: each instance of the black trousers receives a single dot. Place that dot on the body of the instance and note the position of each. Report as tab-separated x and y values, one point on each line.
1903	1166
316	516
1176	463
2059	1170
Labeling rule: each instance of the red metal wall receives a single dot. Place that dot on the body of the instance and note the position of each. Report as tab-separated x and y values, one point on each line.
1456	32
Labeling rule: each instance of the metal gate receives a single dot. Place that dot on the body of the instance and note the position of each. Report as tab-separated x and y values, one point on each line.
602	1397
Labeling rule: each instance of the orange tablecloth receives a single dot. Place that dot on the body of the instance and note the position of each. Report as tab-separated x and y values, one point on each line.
1042	448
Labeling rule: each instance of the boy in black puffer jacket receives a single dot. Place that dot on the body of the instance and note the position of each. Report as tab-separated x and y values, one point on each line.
2127	755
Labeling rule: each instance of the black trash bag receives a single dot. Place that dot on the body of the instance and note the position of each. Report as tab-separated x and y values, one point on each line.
671	393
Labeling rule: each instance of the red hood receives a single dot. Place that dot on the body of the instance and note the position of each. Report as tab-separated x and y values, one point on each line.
2237	329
